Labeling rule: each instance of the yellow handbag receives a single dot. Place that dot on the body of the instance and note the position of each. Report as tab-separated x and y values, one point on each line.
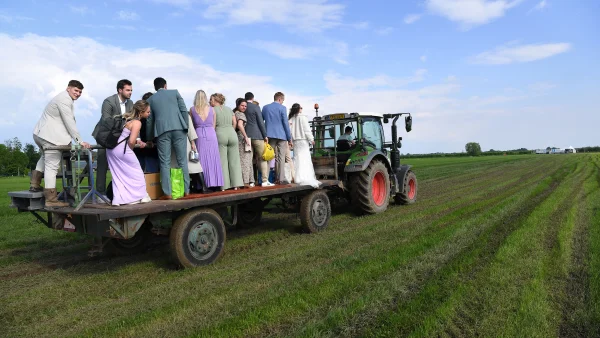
269	153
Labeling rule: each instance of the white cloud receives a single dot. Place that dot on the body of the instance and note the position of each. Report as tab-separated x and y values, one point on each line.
337	51
81	10
304	16
411	18
336	83
523	53
10	18
206	28
384	30
539	7
423	58
360	25
125	27
542	86
283	50
127	15
35	68
471	12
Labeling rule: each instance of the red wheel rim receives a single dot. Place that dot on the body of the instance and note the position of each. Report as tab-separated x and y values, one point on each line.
412	191
378	188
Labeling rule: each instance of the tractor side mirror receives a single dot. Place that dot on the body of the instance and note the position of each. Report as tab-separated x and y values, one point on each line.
408	123
399	142
330	132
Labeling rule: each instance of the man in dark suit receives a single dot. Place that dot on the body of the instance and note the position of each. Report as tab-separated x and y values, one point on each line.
256	131
113	105
168	123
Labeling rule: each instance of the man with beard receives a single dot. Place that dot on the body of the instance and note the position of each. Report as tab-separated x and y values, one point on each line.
117	104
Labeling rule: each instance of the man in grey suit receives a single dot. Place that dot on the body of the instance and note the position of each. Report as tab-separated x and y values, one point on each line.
255	129
169	124
117	104
56	127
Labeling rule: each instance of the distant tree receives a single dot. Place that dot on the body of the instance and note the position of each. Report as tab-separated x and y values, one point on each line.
13	143
473	149
548	149
32	154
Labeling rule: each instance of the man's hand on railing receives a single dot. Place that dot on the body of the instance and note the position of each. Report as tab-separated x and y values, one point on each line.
85	145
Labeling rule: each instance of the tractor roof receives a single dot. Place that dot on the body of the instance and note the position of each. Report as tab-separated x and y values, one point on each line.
351	115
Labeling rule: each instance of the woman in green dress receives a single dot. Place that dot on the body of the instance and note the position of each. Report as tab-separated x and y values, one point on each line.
228	143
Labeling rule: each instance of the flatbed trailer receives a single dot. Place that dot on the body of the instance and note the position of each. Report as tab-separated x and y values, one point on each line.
195	224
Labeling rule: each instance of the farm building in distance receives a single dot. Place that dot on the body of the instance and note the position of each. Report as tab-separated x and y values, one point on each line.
554	150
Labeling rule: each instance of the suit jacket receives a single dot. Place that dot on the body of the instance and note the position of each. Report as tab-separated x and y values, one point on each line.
255	126
112	107
57	124
167	113
276	121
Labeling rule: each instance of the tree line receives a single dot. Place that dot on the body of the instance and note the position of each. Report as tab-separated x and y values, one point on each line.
16	159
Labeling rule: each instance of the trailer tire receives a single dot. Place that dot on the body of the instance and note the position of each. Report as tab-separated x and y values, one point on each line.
315	211
370	189
250	213
410	190
132	246
197	238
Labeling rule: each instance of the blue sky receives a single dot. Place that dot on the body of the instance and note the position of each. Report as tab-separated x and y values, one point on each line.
504	73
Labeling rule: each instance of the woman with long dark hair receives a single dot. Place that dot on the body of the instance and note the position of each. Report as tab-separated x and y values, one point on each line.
128	182
302	137
244	144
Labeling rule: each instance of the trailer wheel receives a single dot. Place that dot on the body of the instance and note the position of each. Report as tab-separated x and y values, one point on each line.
370	189
315	211
250	214
133	245
197	238
409	194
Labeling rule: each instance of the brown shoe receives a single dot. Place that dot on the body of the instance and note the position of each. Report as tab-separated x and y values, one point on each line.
36	181
52	201
165	197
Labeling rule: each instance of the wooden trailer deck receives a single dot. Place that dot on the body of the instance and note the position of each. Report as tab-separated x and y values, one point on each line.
104	211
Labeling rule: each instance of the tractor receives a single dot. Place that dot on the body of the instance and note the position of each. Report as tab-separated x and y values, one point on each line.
350	147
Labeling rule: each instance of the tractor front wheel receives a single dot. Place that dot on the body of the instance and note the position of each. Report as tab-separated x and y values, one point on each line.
409	193
370	189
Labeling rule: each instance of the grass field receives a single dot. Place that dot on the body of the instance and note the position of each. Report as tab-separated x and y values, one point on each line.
495	246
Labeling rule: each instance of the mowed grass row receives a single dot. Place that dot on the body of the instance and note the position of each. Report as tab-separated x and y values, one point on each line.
441	266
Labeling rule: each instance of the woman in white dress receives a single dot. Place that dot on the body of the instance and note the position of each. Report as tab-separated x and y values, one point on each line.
302	137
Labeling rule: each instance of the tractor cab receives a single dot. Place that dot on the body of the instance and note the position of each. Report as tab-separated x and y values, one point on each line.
351	148
340	137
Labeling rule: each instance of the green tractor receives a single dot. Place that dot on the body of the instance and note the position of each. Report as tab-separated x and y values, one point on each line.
351	147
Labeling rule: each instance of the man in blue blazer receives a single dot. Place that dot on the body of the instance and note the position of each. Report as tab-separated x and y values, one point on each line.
278	133
168	123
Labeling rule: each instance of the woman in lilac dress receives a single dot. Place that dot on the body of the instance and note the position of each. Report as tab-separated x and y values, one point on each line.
128	182
207	144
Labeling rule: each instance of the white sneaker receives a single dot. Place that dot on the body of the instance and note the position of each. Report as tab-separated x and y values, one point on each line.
146	199
251	185
267	184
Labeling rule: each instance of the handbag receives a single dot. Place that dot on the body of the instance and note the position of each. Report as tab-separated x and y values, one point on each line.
193	156
268	153
247	145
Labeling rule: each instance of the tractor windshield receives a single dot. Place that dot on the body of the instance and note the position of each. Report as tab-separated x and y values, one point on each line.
372	132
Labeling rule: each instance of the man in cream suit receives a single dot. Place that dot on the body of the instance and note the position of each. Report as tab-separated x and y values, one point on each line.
168	123
117	104
56	127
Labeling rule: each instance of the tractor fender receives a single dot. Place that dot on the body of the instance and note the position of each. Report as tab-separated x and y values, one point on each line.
401	176
360	161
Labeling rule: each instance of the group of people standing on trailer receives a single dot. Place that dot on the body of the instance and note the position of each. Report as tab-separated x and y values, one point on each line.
229	143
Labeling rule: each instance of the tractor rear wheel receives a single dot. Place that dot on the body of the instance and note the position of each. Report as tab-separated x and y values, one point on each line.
409	193
370	189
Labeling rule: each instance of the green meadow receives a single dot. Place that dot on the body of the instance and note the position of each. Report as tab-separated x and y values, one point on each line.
494	246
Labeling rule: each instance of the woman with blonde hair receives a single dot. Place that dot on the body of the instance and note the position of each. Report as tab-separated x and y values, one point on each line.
204	120
228	143
128	182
